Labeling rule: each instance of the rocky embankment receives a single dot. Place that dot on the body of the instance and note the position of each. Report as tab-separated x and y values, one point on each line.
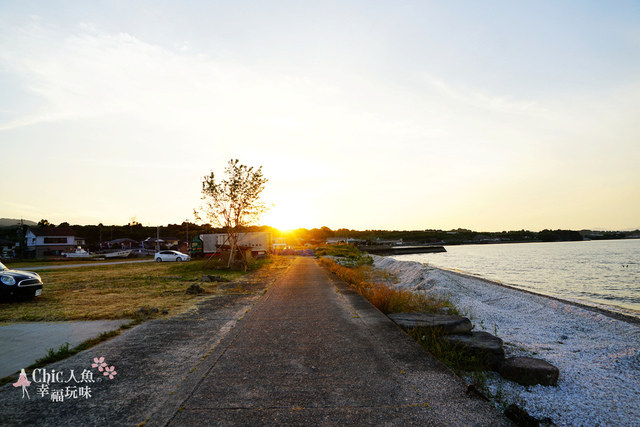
598	356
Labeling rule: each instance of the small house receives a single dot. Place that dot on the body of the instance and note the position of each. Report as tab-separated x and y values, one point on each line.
51	241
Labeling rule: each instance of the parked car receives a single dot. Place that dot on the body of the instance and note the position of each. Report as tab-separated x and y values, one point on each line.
19	284
171	256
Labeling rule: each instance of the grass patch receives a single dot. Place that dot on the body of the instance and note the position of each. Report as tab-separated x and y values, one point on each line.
375	287
53	356
220	263
113	291
347	255
338	251
13	264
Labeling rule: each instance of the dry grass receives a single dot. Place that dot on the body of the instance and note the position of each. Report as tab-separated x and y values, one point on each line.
13	264
112	292
120	291
377	287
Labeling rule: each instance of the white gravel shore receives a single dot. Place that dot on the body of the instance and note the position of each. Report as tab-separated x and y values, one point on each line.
598	356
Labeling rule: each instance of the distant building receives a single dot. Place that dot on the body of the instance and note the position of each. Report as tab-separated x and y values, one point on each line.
162	243
352	241
258	243
336	240
483	238
279	243
123	244
7	247
51	241
391	242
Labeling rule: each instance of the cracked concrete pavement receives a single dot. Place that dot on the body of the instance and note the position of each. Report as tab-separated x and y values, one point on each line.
309	351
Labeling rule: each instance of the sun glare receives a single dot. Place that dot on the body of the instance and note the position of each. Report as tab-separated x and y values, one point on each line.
286	218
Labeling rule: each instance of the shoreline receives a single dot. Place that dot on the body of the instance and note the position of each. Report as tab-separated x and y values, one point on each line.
614	314
596	351
600	274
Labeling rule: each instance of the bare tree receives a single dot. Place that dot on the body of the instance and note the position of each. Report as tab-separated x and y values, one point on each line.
233	203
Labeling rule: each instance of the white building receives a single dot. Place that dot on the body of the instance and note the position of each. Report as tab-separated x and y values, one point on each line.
50	241
260	243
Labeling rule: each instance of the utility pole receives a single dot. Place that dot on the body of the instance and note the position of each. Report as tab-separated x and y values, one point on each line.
21	238
188	245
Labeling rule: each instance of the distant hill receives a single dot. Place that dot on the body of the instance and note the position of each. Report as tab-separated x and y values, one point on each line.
8	222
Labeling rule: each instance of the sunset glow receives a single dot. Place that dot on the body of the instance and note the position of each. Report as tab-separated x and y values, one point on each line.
289	216
363	115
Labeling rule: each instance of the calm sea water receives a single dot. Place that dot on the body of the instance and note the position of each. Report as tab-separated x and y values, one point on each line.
603	273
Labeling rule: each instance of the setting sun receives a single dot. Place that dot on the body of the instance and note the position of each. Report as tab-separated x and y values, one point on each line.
289	216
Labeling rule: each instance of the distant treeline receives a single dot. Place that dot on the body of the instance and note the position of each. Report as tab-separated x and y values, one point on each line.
95	234
458	236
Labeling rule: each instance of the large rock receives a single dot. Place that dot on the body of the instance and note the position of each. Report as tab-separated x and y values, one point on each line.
529	371
482	346
438	324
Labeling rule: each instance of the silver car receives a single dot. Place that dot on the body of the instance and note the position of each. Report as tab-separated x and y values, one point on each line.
171	256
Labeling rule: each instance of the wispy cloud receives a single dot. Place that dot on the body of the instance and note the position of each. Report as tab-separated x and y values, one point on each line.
485	101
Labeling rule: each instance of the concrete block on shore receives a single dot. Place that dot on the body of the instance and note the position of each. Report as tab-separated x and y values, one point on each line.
486	347
437	324
529	371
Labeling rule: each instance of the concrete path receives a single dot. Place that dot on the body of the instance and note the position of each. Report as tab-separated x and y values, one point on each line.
315	353
308	352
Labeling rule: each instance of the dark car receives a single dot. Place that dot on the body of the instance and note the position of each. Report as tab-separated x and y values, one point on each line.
19	284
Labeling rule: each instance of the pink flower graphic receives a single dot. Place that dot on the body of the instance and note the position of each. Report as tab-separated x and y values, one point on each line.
100	364
110	371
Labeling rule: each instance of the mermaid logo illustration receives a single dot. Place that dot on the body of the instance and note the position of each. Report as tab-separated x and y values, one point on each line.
55	385
24	383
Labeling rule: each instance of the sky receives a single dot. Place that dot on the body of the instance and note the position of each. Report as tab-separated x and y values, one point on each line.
398	115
